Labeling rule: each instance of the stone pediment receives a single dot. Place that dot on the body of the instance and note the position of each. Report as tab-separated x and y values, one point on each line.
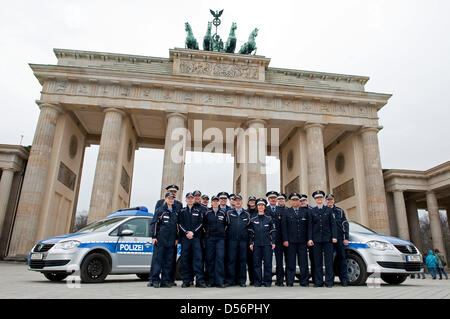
218	65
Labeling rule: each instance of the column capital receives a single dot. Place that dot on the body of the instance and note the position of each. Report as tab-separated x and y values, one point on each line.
254	121
171	114
56	106
115	109
309	125
365	129
9	169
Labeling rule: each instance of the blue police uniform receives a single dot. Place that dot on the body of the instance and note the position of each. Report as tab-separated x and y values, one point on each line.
262	237
342	228
215	226
237	242
163	227
277	213
321	230
294	227
191	219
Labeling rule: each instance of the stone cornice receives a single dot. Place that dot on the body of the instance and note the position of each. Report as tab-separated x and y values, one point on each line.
46	73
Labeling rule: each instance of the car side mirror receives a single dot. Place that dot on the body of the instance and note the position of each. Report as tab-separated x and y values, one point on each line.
126	232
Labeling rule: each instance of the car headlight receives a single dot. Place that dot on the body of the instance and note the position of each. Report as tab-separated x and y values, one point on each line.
379	245
68	244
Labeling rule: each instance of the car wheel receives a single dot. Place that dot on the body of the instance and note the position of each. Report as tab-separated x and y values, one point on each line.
54	276
143	276
95	268
394	279
356	270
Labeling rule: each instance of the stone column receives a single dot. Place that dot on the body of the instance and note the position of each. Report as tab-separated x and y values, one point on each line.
375	192
317	176
413	221
104	178
257	152
35	182
174	153
5	190
435	222
400	215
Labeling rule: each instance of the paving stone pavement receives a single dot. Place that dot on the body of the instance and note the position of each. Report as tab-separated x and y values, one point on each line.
18	282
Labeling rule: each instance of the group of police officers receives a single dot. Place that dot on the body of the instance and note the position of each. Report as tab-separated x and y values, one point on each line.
226	240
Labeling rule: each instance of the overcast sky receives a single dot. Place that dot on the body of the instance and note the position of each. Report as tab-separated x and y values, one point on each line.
403	46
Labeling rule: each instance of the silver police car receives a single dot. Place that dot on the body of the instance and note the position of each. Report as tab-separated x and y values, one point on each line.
391	259
118	244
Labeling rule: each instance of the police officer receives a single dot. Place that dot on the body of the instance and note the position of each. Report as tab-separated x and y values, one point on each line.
238	220
281	200
232	198
294	229
177	204
198	201
277	212
253	211
205	201
262	242
163	230
223	199
190	223
215	224
342	228
322	236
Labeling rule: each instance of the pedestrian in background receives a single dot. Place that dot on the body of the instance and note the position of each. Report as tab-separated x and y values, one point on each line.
432	263
442	264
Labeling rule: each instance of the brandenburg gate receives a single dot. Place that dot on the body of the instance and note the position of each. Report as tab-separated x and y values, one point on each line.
326	131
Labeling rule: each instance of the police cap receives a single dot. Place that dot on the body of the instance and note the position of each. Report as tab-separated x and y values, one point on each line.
223	195
282	196
272	194
329	196
189	195
261	201
169	195
294	196
251	198
172	188
318	194
196	193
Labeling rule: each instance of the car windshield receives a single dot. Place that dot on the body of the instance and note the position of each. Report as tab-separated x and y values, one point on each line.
355	227
101	225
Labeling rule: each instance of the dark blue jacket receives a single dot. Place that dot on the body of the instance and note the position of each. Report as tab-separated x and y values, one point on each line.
262	231
237	225
190	220
322	226
277	216
342	225
294	227
163	226
215	224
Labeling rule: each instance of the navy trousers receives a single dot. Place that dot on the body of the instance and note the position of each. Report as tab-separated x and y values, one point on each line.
341	261
191	260
323	252
162	260
262	254
280	250
237	262
215	260
297	253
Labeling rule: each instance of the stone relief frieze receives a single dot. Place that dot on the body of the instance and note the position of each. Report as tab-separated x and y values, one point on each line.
223	70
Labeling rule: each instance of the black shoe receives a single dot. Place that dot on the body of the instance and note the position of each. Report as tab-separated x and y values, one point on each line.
225	285
166	286
329	286
344	284
221	286
156	285
185	285
304	285
279	284
173	284
317	286
257	285
149	284
289	285
200	285
209	285
267	285
243	285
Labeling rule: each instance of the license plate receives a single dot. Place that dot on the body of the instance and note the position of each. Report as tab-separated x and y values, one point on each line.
412	258
37	256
